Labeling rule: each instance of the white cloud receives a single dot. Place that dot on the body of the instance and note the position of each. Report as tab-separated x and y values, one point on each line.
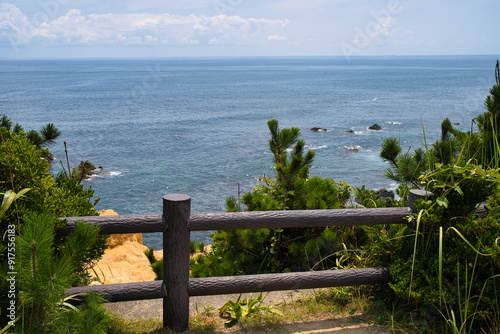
276	38
286	5
374	32
382	28
75	28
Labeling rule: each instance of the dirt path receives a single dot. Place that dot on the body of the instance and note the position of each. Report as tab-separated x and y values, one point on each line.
153	309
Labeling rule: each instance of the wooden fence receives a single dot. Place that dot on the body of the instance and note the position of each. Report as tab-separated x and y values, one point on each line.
177	222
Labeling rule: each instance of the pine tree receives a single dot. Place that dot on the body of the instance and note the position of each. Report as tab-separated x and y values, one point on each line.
275	250
44	273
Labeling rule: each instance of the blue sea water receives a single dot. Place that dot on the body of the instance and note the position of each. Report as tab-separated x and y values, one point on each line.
198	126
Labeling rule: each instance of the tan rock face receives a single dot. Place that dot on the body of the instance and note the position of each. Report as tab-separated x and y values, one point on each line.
119	239
124	261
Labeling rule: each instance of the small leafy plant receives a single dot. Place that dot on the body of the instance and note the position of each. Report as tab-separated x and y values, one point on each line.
242	309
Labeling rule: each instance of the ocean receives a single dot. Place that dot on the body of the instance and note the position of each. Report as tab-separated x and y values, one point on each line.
198	126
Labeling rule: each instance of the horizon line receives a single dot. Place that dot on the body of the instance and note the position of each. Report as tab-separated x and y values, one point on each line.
249	56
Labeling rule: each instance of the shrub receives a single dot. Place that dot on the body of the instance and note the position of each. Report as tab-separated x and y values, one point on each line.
23	165
44	273
237	252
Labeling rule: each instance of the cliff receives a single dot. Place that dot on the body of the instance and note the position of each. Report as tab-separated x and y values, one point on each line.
124	261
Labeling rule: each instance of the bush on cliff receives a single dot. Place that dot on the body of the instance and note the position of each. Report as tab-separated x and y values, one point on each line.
23	165
43	272
280	250
446	265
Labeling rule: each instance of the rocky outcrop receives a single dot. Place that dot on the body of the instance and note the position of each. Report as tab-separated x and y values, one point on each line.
385	194
349	131
119	239
124	261
375	127
318	129
382	193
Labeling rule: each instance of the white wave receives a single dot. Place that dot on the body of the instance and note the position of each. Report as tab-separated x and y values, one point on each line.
317	147
104	174
392	122
353	148
370	100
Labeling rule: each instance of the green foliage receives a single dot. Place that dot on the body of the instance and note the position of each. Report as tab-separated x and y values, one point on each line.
232	204
237	252
447	258
240	310
44	273
23	165
370	199
460	189
89	318
405	168
47	135
156	265
488	123
9	197
196	247
150	255
447	246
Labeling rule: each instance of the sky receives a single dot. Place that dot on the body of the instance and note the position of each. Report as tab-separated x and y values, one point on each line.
208	28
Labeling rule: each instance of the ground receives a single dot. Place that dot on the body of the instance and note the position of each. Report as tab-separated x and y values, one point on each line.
355	323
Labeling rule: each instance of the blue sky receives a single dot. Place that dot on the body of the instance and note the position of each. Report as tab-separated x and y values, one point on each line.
176	28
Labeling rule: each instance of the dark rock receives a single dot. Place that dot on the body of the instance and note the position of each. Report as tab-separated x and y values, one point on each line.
319	129
86	166
456	123
375	127
50	159
349	131
385	194
382	194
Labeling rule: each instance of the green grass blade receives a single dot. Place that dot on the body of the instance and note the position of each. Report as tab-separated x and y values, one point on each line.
419	218
468	243
440	264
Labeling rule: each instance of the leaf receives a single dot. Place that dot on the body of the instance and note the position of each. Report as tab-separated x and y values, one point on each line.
442	201
439	184
458	190
230	323
468	243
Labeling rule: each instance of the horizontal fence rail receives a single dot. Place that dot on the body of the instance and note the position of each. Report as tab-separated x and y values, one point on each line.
222	285
296	218
119	224
246	220
176	222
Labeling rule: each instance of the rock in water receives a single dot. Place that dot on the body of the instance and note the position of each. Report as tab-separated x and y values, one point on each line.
318	129
375	127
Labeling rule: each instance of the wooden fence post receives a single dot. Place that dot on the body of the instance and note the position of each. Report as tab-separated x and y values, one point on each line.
417	194
176	212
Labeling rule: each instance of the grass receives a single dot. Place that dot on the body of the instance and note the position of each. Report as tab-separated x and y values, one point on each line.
348	306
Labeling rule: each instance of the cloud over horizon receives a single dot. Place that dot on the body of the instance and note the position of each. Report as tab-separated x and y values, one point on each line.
75	28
